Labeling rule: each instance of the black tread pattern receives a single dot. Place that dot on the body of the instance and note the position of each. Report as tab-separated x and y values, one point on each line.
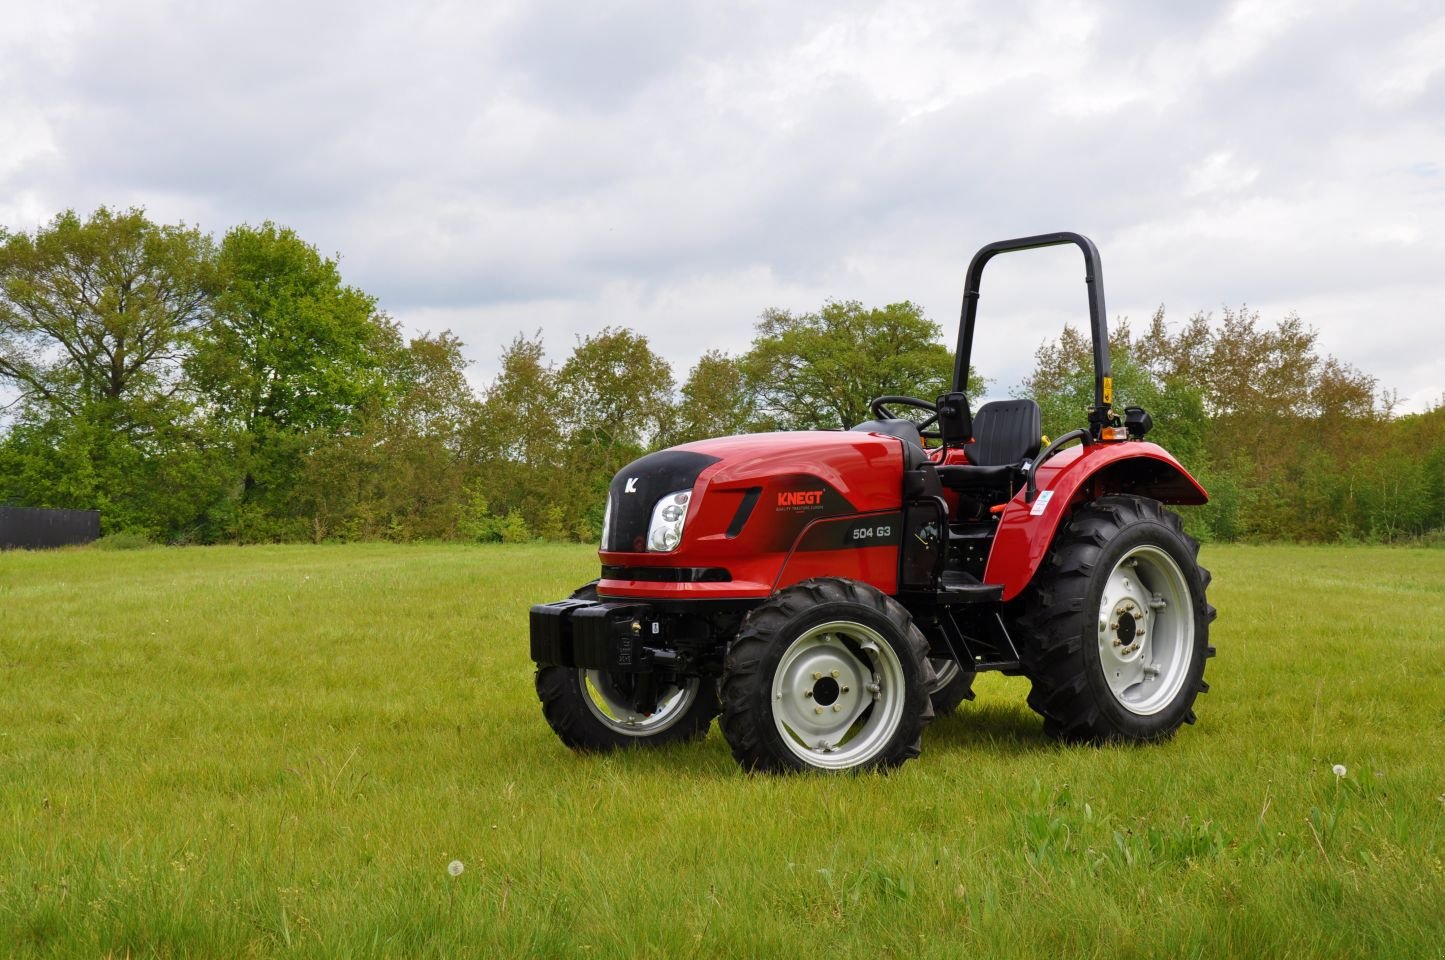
1056	616
747	720
563	696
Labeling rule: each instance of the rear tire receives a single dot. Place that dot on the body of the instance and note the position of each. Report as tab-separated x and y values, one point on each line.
1117	625
830	675
589	710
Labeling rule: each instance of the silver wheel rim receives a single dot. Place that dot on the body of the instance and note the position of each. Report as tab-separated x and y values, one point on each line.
607	704
1146	630
838	695
944	672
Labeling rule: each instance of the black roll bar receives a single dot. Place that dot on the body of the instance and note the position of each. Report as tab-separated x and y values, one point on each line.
1100	416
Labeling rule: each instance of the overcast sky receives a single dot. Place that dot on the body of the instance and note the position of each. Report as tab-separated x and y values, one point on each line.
677	167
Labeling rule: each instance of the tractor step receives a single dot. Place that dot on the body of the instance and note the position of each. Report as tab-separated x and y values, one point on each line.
957	587
1011	667
971	532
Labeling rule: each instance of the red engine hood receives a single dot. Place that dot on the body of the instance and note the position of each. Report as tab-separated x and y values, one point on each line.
749	508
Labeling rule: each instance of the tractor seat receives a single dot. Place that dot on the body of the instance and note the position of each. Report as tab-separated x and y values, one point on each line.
1005	434
905	430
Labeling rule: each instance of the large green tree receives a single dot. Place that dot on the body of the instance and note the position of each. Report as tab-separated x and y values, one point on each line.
1286	441
100	309
614	392
291	359
519	441
615	399
95	316
716	401
289	346
819	370
1062	383
403	474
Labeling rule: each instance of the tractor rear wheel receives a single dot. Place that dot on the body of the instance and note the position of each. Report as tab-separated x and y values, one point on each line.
829	674
593	710
1116	632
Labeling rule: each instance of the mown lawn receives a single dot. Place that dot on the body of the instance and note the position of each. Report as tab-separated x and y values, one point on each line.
278	751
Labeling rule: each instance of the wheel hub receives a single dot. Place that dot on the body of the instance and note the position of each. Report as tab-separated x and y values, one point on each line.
1126	628
1145	630
822	691
827	690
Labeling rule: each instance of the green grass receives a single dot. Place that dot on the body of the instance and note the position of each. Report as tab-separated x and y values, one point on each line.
278	750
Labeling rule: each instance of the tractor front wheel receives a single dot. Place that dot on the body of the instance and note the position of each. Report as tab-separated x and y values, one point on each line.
829	674
1116	632
594	710
591	710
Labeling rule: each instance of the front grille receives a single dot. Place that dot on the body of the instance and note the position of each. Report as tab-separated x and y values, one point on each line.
667	574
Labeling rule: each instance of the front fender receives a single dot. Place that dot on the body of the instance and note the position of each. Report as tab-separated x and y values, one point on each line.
1025	530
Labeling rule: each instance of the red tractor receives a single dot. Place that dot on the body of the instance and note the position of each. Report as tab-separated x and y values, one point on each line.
829	592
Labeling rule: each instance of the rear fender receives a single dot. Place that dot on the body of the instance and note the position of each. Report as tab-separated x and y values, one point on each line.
1078	475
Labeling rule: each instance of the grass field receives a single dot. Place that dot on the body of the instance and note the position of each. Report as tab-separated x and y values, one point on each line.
278	751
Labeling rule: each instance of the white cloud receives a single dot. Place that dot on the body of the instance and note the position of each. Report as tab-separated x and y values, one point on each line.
1407	66
678	167
1219	173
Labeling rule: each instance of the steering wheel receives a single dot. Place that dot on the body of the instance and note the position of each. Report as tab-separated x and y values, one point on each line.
879	406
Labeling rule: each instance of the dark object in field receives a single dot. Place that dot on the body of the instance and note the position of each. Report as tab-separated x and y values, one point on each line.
831	592
33	528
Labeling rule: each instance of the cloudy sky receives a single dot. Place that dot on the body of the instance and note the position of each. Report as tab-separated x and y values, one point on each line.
677	167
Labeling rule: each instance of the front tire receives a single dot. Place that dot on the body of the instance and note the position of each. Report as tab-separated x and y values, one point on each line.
1117	625
592	710
829	674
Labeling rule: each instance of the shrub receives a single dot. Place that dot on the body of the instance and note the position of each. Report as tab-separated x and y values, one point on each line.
514	528
123	540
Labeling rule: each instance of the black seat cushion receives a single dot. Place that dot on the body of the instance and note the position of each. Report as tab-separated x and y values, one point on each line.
1005	432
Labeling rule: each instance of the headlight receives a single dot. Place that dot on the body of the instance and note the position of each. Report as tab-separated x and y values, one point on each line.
606	521
668	516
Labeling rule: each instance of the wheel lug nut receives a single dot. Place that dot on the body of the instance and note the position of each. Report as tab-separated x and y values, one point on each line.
844	690
817	709
807	693
837	708
834	674
817	675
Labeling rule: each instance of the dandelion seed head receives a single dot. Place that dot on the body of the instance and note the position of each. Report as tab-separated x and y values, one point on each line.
1340	770
455	868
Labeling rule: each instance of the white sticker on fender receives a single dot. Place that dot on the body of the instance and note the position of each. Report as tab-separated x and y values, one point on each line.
1041	503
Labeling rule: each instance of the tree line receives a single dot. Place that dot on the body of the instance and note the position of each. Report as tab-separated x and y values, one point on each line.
197	390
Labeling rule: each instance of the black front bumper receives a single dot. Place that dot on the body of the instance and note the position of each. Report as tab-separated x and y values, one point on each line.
616	636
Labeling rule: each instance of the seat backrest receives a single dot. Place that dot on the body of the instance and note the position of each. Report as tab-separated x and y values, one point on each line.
1005	432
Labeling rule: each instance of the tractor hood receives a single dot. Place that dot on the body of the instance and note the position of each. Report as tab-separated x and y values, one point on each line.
756	492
